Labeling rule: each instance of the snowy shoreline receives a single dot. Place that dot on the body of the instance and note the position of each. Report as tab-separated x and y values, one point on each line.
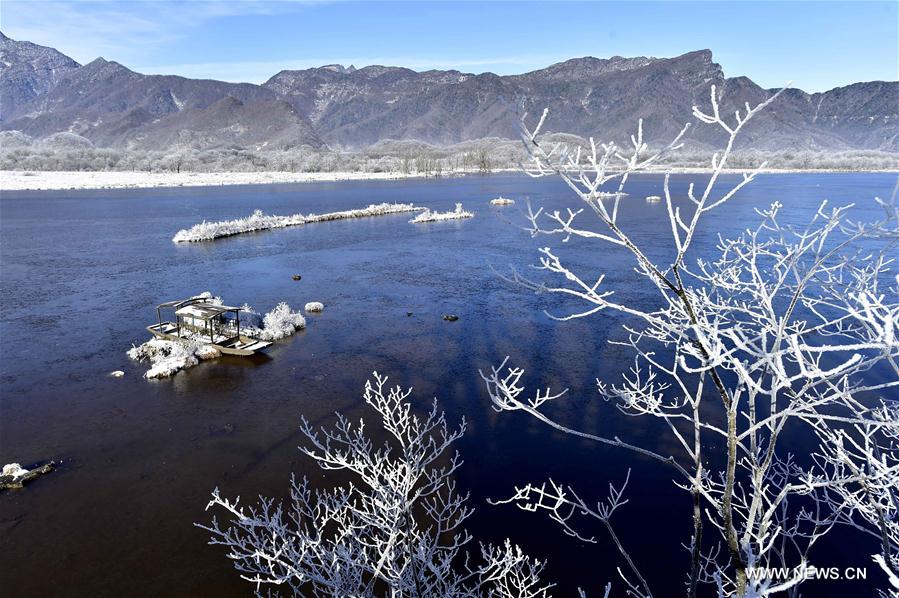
38	180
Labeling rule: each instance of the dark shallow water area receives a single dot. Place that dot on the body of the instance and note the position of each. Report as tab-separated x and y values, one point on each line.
81	271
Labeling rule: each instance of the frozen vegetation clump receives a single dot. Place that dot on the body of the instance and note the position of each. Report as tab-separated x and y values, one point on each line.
257	221
166	358
207	231
279	323
315	306
502	201
428	216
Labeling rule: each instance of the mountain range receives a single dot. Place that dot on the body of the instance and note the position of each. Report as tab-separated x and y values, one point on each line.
44	92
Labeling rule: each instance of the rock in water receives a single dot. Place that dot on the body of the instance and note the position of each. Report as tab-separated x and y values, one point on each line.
14	475
297	277
315	306
450	317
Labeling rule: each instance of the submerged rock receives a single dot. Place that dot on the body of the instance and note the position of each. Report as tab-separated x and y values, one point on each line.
450	317
116	374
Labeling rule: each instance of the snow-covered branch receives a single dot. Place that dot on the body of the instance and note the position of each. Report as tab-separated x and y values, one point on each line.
397	529
787	329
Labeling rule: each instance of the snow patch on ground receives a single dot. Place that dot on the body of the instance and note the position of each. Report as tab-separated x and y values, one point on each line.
178	102
258	221
15	470
428	216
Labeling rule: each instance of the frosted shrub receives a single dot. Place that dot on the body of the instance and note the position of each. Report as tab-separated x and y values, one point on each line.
279	323
166	358
458	213
20	152
395	530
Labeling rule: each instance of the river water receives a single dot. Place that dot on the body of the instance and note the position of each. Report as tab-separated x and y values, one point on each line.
81	271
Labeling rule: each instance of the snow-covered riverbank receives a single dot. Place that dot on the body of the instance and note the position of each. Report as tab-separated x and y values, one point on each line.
41	180
50	180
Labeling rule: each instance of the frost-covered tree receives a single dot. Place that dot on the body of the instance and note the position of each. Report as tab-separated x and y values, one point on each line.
787	330
396	530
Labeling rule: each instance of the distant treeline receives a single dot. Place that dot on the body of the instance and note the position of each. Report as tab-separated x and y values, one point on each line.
68	152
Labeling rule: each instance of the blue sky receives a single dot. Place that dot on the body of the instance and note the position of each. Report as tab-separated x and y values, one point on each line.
818	45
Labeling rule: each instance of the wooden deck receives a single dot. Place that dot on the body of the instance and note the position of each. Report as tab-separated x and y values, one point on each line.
242	345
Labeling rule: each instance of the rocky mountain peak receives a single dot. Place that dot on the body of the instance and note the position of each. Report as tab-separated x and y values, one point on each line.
348	107
27	71
335	68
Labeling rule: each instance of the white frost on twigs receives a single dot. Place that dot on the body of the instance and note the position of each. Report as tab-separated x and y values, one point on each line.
257	221
428	216
279	323
783	327
396	529
315	306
